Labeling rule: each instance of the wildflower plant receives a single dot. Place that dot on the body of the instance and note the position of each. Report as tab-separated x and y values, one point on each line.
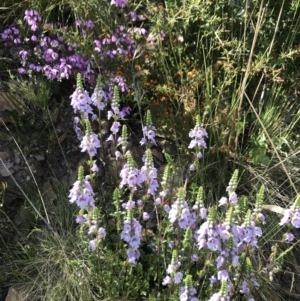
191	238
142	238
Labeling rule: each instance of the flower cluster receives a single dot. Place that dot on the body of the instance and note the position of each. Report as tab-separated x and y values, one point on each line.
148	131
188	292
32	18
132	235
292	216
149	173
174	276
46	51
11	36
130	175
82	193
181	213
197	133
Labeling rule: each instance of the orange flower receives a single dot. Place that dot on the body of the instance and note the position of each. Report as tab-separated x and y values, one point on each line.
191	74
153	81
160	6
121	70
164	98
137	67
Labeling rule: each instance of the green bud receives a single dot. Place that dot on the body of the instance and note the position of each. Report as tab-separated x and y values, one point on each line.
129	214
174	256
211	216
260	197
187	238
242	204
149	158
199	199
247	219
233	182
148	118
88	127
124	138
198	120
297	203
116	97
201	274
95	214
181	194
167	174
188	281
99	81
130	160
224	288
229	216
249	267
80	174
79	81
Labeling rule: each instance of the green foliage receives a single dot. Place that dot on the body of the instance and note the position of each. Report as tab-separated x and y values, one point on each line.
236	66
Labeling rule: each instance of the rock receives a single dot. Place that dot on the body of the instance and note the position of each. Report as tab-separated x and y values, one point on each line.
16	294
6	172
39	157
8	103
17	157
48	192
4	155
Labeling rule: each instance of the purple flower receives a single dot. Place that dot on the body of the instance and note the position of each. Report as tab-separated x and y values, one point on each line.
192	167
157	201
223	275
129	205
213	280
289	237
213	244
93	244
133	255
167	280
101	233
89	24
82	194
146	216
245	288
198	133
288	213
92	230
80	219
22	70
23	54
80	101
119	3
90	143
233	198
130	176
195	257
178	277
223	201
94	167
296	219
115	127
149	133
217	297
